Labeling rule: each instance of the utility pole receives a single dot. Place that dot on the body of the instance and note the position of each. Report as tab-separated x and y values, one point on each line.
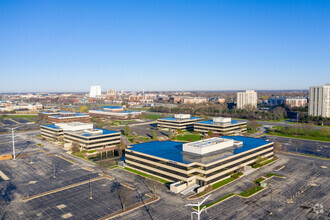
199	211
90	189
13	139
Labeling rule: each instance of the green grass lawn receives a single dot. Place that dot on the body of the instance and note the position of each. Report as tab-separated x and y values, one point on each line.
273	174
17	116
258	180
319	138
222	182
146	175
152	117
250	191
216	201
263	163
189	137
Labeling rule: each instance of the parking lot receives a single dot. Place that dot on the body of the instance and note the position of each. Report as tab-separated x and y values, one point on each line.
41	172
34	174
316	148
20	124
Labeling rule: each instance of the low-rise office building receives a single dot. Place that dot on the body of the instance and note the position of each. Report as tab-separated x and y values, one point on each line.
81	133
68	117
222	126
115	112
57	116
179	121
199	163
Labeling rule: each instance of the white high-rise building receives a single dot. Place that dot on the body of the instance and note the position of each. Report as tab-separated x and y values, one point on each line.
247	99
95	91
319	100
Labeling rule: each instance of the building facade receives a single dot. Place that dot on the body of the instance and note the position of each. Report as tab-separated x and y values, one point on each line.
319	101
222	126
95	91
115	112
68	117
247	99
83	134
203	162
179	121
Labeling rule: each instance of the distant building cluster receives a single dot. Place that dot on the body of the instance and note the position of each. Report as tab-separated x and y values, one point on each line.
293	102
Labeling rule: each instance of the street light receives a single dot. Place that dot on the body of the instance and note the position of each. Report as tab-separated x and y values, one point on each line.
199	210
13	139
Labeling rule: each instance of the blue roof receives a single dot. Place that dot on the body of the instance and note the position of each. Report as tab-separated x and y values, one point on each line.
210	122
103	132
52	126
172	150
173	119
113	106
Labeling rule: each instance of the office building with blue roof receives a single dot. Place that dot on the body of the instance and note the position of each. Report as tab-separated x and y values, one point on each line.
58	116
202	162
221	126
115	112
179	121
83	134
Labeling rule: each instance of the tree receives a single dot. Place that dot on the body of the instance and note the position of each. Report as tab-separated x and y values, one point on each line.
278	146
210	133
83	109
122	194
127	131
254	125
154	135
170	133
75	147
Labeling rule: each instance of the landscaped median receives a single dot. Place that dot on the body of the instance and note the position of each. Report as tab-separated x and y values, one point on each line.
217	185
147	175
246	194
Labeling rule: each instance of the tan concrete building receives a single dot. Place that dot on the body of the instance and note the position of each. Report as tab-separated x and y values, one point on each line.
81	133
247	99
179	121
197	163
319	101
222	126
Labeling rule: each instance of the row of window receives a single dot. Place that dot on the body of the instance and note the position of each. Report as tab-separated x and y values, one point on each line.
237	157
117	140
237	164
128	159
153	172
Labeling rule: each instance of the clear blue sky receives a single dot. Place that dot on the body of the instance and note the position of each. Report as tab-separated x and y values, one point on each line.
69	45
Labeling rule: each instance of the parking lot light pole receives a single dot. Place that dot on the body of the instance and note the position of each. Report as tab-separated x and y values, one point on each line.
13	139
199	210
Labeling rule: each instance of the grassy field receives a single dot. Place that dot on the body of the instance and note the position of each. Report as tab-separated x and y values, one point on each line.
147	175
17	116
189	137
152	117
319	138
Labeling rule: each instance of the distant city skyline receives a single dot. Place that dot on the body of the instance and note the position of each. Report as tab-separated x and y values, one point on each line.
68	46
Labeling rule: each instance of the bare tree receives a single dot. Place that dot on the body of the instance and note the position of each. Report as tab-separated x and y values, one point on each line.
278	146
123	195
75	147
254	125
